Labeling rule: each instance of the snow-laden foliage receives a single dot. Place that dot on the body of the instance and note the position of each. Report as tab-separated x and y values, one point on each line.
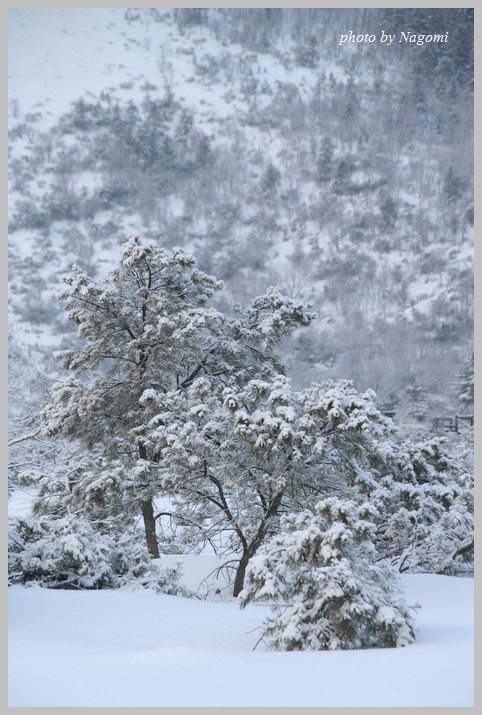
173	398
233	467
147	331
228	460
424	495
136	330
327	589
69	552
466	383
62	553
425	500
28	390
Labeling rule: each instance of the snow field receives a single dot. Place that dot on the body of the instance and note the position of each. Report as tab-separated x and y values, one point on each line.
140	649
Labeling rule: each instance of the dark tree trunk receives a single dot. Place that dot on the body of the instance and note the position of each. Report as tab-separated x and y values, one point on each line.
240	574
148	516
150	529
250	550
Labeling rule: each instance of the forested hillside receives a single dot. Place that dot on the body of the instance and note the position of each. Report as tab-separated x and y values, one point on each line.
251	138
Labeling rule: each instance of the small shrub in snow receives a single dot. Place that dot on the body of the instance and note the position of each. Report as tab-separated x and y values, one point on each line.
59	553
69	553
327	589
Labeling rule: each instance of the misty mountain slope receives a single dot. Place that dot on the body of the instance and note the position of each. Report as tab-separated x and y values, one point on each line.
272	154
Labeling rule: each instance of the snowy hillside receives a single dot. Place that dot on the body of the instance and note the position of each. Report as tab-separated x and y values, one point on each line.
282	161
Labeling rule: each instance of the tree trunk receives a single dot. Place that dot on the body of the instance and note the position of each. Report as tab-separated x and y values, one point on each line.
148	516
150	529
250	549
240	574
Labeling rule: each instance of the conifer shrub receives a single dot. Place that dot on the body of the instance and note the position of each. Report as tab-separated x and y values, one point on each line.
327	590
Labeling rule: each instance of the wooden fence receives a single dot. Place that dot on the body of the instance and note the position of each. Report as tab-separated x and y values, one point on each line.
453	424
449	424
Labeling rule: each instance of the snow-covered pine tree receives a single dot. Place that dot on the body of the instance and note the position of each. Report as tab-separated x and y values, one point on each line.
321	575
423	494
466	383
171	396
233	468
324	164
270	180
425	498
144	327
147	332
23	407
230	464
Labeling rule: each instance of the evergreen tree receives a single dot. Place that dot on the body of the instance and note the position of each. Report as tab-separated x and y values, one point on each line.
466	383
453	187
191	16
137	328
270	180
388	210
70	553
327	589
233	467
307	53
324	165
184	127
146	334
204	153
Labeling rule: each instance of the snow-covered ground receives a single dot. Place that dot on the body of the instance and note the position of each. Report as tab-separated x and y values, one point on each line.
128	649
